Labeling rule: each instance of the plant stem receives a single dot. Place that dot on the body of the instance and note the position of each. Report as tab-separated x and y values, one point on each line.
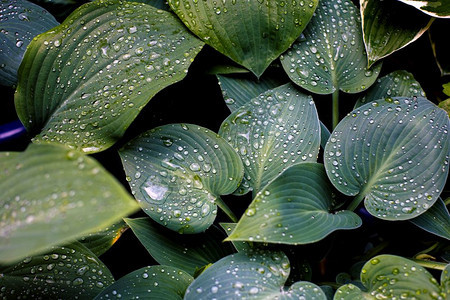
335	108
430	264
226	209
356	201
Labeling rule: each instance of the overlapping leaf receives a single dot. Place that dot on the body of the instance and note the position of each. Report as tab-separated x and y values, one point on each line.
99	242
435	220
294	209
51	195
434	8
394	153
252	33
274	131
84	82
389	26
178	171
331	56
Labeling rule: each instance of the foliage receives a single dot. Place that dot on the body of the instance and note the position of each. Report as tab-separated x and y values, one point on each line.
202	126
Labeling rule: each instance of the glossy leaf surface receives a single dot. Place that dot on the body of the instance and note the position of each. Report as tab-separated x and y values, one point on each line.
435	220
99	242
389	26
178	171
331	55
399	162
294	208
252	275
51	195
186	252
434	8
85	81
20	22
274	131
252	33
153	282
65	272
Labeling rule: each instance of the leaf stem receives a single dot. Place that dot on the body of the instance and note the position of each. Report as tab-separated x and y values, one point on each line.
335	108
226	209
430	264
356	201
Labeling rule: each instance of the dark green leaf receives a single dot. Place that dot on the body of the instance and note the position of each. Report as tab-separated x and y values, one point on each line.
434	8
99	242
435	220
85	81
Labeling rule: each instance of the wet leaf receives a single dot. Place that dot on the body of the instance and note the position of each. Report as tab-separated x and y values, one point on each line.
51	195
434	8
238	245
435	220
274	131
389	26
67	272
396	84
331	55
160	4
399	163
20	21
252	33
153	282
251	275
186	252
85	81
178	171
393	277
99	242
294	209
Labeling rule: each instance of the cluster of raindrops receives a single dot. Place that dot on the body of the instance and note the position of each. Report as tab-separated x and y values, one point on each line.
395	152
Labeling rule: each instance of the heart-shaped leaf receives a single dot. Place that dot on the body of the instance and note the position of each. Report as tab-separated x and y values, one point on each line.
67	272
153	282
389	26
99	242
274	131
394	153
331	56
435	220
396	84
51	195
434	8
178	171
85	81
20	21
186	252
393	277
294	209
252	33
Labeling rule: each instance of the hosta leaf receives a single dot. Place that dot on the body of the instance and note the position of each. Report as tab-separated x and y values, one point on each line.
67	272
435	220
294	209
99	242
331	56
20	21
396	84
161	4
84	82
238	245
186	252
434	8
274	131
393	277
394	153
178	171
153	282
250	275
389	26
252	33
445	279
51	195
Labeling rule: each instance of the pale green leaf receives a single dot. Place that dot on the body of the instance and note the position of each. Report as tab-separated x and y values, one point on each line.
434	8
435	220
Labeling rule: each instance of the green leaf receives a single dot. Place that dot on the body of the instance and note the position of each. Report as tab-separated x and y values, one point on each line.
393	277
20	21
435	220
294	209
252	33
153	282
85	81
161	4
186	252
99	242
252	275
67	272
389	26
178	171
399	163
331	56
238	245
51	195
445	279
434	8
272	132
396	84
